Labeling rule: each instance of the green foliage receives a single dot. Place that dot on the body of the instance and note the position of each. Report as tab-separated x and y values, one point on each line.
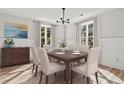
9	41
62	44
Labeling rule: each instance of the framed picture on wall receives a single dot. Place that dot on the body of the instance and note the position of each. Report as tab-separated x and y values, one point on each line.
14	30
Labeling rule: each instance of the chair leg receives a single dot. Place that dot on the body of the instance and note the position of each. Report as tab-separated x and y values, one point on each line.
88	80
73	63
47	77
83	76
64	75
41	77
55	74
59	61
36	70
33	67
96	75
71	77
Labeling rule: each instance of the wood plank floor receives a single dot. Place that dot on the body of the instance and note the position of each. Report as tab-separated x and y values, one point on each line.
117	72
21	74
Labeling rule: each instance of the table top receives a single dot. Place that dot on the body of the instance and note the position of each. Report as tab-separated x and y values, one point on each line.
68	55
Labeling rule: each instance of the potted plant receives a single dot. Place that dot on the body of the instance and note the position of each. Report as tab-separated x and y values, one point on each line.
62	45
9	42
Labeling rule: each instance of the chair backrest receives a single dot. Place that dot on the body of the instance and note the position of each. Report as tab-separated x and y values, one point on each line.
92	61
72	47
45	46
84	48
35	55
48	47
44	59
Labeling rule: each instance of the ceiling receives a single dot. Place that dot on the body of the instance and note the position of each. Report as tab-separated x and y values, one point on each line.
53	14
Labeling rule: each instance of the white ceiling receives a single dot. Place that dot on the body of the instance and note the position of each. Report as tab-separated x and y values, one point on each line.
52	14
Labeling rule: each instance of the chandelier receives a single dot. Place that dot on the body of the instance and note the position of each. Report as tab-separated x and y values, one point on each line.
62	19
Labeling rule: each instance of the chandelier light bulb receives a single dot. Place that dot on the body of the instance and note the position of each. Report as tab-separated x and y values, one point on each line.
62	19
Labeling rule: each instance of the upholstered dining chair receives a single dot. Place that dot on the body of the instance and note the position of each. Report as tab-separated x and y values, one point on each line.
36	61
48	47
84	48
46	66
90	67
72	47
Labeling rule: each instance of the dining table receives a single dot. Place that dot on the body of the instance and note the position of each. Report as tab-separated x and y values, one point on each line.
67	57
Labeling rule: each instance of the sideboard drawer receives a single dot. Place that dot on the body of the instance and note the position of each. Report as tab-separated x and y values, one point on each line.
14	56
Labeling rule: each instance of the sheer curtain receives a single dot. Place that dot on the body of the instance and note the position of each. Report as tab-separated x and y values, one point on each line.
37	29
36	33
53	30
96	33
78	29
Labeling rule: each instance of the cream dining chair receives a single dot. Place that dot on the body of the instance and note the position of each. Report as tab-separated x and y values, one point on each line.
90	67
72	47
84	48
46	66
36	61
48	47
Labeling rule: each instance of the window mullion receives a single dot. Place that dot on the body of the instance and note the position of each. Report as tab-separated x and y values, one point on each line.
45	35
87	34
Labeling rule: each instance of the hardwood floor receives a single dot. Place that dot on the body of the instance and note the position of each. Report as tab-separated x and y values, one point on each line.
117	72
22	74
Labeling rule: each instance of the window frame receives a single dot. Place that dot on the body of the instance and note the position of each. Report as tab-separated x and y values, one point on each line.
45	35
87	23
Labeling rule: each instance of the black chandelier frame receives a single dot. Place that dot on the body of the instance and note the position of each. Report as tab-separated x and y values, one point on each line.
62	19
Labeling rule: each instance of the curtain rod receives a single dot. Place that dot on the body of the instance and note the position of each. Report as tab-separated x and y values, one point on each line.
43	22
84	20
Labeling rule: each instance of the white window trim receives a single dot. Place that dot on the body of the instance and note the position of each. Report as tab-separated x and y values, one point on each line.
86	23
45	34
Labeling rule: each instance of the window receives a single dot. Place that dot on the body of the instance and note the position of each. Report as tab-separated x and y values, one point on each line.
87	34
45	35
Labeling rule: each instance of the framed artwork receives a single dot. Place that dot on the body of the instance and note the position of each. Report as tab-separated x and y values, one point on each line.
13	30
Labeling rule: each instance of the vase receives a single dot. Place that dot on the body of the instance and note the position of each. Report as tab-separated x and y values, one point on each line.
8	45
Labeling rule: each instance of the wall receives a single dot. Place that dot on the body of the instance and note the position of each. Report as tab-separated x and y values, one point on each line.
112	38
65	32
71	34
13	19
59	34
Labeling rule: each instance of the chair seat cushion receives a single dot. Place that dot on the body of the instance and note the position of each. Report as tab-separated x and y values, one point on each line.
55	67
81	69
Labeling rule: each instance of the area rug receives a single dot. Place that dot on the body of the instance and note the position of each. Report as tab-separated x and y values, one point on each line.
106	77
23	75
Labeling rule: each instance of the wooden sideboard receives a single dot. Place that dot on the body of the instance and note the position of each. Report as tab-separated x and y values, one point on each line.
14	56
